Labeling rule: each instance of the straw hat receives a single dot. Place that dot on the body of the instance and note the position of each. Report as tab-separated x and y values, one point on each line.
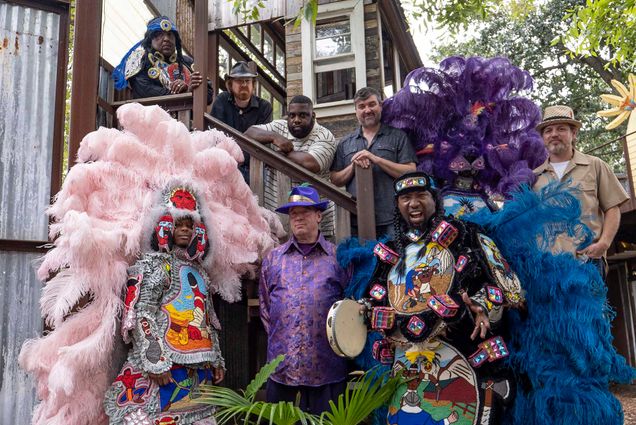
558	114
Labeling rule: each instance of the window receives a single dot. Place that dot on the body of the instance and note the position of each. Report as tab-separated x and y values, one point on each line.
277	109
333	37
265	94
333	56
224	65
333	86
255	35
280	60
268	48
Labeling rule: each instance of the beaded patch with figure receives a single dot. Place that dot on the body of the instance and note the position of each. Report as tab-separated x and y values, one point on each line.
459	204
188	331
442	386
425	275
501	272
134	386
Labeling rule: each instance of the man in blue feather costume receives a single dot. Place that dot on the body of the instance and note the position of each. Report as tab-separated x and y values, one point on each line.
476	136
156	65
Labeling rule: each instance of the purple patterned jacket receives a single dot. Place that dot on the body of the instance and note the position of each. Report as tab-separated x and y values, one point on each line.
296	292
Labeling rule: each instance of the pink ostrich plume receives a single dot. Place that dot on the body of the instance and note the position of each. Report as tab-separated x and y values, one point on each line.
99	227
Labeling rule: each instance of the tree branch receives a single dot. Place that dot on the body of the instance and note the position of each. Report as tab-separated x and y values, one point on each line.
599	65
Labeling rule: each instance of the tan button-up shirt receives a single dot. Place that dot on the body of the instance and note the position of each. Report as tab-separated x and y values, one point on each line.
599	190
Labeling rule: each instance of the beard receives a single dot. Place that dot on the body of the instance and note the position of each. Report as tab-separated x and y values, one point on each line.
558	148
243	95
303	131
370	120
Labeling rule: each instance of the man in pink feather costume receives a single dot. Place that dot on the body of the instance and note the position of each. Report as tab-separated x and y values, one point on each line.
101	222
170	320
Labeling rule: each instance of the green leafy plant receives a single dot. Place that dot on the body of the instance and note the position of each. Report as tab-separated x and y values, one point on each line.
247	9
368	393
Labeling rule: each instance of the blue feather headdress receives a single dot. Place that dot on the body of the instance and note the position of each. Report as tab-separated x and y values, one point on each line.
161	23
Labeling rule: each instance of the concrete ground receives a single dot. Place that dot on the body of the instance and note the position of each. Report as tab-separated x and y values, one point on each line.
627	396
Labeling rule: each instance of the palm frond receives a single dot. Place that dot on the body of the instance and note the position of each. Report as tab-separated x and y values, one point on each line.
262	376
355	405
370	391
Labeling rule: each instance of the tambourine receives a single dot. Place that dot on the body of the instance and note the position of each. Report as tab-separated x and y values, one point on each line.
346	330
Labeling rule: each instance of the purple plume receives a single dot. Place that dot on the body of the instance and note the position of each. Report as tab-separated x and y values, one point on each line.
470	108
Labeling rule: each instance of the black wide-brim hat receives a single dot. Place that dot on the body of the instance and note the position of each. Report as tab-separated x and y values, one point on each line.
242	69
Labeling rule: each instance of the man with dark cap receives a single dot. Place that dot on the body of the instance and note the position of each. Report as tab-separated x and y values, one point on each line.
239	107
156	65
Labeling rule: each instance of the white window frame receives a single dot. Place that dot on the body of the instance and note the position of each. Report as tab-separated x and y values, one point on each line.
356	59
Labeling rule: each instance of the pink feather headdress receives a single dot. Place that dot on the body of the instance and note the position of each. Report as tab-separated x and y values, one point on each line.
102	219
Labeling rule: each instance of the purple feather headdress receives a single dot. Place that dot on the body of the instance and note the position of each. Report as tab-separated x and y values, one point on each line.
468	113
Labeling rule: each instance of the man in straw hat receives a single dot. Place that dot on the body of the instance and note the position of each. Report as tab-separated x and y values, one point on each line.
599	190
239	107
300	280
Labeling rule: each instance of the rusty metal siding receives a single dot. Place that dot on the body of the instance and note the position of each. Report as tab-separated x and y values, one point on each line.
28	70
220	12
29	42
19	319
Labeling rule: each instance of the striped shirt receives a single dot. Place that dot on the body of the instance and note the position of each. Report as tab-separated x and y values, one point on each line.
321	145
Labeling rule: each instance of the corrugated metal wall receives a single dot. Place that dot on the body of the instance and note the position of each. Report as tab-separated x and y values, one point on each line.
29	41
19	319
28	61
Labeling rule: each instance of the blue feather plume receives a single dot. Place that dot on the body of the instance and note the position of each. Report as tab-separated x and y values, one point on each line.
564	345
352	255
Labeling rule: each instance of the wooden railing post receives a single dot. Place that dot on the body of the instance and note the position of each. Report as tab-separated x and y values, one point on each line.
200	100
365	204
284	186
343	223
257	183
88	18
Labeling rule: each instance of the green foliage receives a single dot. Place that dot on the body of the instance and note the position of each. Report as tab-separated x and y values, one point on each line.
69	81
605	28
559	78
261	377
369	392
247	9
354	406
452	15
309	12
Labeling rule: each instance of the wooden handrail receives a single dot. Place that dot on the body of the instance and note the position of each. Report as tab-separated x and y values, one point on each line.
170	102
286	166
362	207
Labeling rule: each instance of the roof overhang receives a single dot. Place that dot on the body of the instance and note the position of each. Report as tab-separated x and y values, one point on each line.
395	21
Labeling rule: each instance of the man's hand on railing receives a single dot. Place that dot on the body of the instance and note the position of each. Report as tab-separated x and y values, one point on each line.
178	86
196	79
285	145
